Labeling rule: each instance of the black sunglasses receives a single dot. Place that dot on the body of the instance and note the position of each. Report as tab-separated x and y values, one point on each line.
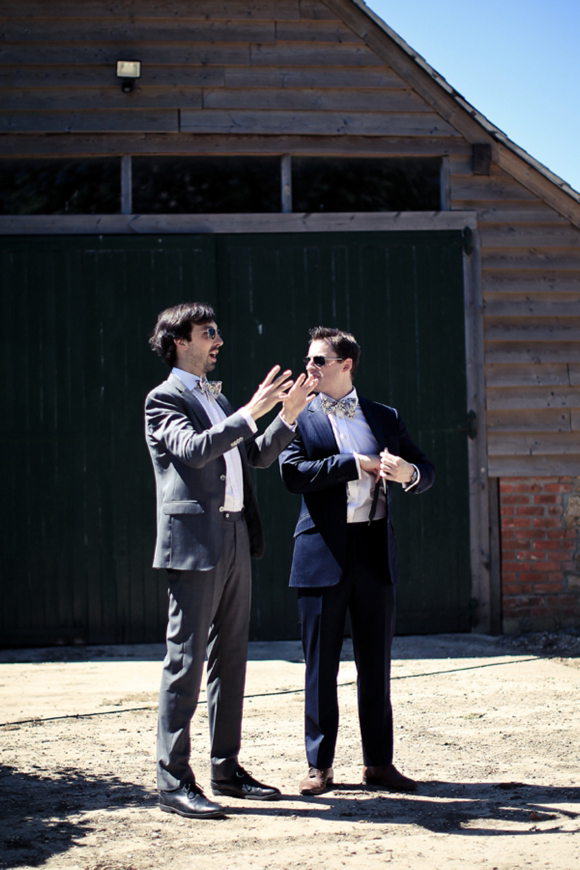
321	361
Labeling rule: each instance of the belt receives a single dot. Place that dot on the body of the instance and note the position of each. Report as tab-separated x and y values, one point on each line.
232	516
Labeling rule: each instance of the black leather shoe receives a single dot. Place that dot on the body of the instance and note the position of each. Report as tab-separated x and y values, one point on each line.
189	801
242	785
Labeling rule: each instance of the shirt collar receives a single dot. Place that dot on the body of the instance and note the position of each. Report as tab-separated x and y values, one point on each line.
187	378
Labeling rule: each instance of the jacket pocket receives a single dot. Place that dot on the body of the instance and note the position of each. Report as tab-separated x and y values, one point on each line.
182	507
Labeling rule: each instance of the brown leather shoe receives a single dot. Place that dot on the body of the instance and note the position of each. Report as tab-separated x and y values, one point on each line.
387	776
317	781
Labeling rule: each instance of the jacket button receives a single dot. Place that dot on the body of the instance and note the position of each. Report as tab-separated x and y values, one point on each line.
222	477
222	509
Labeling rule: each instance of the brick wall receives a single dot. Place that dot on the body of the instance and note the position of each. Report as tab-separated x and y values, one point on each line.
540	550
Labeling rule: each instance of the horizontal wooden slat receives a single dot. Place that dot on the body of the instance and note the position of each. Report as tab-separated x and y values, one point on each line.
529	420
525	375
554	443
73	99
239	9
39	145
132	31
575	416
574	374
534	466
532	212
536	352
530	283
307	54
105	121
519	398
532	261
537	237
48	76
534	329
312	77
554	304
223	223
331	30
326	123
178	53
481	187
326	100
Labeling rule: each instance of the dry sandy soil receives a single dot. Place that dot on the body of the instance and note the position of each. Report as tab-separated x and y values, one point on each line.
489	727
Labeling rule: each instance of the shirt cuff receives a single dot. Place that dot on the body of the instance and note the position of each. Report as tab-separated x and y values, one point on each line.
291	426
249	419
408	486
358	468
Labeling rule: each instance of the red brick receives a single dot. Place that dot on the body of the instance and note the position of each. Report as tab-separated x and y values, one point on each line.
546	566
505	487
528	487
515	499
547	499
556	534
530	511
507	512
521	522
521	542
547	523
523	534
558	487
516	566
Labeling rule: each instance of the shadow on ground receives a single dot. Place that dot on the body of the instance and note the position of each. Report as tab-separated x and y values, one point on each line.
35	811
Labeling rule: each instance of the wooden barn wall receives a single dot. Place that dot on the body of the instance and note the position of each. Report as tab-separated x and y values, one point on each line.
294	76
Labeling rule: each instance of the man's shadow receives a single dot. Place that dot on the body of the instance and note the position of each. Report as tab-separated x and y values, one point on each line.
443	807
35	811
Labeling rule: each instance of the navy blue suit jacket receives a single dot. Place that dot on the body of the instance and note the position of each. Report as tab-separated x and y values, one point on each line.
313	467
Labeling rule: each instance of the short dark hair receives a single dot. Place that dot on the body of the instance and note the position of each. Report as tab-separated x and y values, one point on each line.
343	343
177	322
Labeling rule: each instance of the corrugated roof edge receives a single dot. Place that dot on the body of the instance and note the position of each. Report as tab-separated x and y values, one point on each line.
490	128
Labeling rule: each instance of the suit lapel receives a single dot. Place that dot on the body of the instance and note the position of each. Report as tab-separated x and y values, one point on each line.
373	421
194	403
323	433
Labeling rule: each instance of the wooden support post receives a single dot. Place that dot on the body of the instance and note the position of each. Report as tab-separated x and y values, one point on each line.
126	185
286	182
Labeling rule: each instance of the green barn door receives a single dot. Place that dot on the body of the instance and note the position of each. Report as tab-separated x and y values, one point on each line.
401	294
77	497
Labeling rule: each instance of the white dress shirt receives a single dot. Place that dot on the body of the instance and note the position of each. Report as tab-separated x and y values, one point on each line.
355	436
234	500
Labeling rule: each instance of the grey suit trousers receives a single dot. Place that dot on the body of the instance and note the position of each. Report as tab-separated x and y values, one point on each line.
208	611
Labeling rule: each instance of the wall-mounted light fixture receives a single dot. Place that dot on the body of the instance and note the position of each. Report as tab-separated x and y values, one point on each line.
128	71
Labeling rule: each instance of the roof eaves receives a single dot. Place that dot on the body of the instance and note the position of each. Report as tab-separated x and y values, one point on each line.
489	128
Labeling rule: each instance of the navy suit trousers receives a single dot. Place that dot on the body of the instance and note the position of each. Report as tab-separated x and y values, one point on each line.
365	591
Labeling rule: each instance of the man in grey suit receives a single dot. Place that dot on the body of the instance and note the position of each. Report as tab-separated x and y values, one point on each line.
208	527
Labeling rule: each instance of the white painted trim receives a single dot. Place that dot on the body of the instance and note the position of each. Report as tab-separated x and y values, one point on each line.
113	224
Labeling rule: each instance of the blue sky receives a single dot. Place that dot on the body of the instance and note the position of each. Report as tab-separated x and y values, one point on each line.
516	61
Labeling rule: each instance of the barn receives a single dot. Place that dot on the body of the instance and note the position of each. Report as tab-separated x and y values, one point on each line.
294	162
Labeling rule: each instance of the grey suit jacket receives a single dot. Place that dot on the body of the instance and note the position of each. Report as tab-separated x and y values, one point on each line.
187	452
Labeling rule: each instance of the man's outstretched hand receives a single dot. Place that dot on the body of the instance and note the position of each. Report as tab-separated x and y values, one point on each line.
276	388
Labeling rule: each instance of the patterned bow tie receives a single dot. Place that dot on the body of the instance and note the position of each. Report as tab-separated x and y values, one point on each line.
209	388
346	406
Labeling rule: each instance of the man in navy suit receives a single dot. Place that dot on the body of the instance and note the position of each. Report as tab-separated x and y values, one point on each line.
347	455
208	527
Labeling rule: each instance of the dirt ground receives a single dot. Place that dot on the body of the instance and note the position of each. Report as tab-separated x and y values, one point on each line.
489	727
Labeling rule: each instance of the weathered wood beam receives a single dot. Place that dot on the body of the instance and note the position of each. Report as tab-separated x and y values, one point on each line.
245	223
83	145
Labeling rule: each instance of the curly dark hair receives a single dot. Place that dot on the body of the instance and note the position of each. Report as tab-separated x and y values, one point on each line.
176	322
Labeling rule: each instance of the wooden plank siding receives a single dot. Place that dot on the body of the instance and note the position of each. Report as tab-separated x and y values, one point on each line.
316	78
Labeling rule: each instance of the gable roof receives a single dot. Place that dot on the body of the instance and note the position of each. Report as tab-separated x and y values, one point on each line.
469	121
